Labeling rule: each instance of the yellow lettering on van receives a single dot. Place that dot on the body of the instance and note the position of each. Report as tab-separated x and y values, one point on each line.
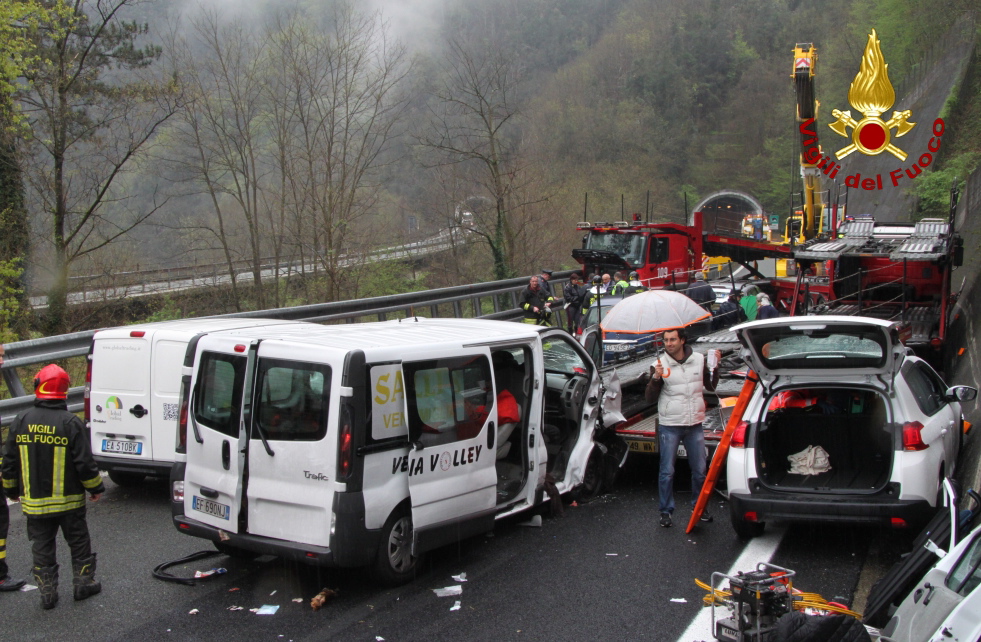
394	420
399	390
382	389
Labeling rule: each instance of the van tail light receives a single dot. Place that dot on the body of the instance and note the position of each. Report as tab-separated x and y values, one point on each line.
913	436
345	451
182	404
751	516
739	435
88	391
897	522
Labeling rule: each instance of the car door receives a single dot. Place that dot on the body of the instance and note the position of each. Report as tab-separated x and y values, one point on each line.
291	445
120	396
940	417
452	419
217	435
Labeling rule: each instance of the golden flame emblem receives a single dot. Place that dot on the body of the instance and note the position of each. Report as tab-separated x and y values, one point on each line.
871	93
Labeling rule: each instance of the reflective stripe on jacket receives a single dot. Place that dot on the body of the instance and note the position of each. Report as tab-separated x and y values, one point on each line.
48	462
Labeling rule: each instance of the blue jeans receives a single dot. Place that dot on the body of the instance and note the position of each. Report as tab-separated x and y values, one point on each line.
668	438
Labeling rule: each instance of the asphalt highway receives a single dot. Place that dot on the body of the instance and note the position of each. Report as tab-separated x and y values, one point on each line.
603	570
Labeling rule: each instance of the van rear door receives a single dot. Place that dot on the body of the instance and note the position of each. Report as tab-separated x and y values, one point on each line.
216	436
120	397
452	418
288	495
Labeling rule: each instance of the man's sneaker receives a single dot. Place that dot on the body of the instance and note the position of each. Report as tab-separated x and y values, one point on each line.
706	517
665	520
10	584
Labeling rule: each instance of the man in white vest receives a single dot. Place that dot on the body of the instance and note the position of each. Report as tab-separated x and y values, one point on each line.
677	383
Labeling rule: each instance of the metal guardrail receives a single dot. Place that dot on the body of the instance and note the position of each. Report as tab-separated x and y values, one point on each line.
466	301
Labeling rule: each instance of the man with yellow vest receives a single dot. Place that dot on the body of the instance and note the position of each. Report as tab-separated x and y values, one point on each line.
48	465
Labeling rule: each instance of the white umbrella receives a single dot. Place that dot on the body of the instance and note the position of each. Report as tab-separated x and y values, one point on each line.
653	311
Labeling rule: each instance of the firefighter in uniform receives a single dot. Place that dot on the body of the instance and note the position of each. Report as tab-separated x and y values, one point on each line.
48	465
537	303
7	583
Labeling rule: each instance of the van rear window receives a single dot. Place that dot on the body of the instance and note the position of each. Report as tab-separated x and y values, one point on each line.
218	392
293	399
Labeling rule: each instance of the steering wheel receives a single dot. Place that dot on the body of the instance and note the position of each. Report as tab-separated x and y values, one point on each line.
573	393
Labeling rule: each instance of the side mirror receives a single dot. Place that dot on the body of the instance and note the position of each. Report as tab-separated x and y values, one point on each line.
961	393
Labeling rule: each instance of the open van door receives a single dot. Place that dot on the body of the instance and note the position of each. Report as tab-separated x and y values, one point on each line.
451	415
217	434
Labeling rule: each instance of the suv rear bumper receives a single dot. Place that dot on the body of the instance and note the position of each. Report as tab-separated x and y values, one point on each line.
879	508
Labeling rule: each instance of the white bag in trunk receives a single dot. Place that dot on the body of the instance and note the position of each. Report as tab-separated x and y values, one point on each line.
813	460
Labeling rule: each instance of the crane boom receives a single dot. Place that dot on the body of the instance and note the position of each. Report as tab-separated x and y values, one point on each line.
805	61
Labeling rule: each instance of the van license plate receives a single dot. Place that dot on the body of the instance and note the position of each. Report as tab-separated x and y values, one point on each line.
124	447
209	507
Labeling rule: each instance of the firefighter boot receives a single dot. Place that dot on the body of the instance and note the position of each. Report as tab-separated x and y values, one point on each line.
83	578
46	578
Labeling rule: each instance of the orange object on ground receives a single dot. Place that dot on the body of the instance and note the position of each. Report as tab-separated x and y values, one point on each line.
723	448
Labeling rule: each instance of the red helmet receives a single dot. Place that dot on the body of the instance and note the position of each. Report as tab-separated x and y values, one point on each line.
51	383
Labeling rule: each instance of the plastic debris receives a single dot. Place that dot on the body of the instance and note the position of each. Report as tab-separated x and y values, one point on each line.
267	609
273	593
209	573
234	589
27	587
193	612
449	591
574	504
297	599
462	577
679	600
321	598
456	606
612	554
534	522
235	608
379	638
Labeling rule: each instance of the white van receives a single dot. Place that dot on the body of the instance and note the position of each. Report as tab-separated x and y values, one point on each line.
369	444
132	388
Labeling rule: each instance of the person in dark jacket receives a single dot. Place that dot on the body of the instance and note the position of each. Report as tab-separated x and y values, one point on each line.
7	583
701	292
573	295
765	309
48	465
729	313
537	303
544	281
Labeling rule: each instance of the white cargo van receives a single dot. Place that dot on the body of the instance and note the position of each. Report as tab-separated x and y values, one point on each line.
369	444
132	388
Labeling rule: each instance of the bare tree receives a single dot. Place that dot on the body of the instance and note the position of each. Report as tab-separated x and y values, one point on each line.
92	110
474	125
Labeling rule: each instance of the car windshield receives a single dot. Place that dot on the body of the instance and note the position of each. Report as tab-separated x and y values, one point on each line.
602	311
817	346
628	246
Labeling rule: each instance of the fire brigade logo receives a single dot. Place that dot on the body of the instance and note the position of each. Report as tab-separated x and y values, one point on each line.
872	94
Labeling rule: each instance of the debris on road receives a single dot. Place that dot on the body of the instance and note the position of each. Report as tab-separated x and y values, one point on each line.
209	573
534	522
321	598
297	599
456	606
462	577
27	587
236	608
679	600
449	591
267	609
193	612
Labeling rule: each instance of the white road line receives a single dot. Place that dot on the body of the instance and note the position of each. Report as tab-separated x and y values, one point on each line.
759	549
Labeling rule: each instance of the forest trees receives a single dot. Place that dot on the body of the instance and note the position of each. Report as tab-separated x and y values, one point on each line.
287	130
91	111
473	127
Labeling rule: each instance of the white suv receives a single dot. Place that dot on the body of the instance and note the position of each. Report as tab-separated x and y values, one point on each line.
874	427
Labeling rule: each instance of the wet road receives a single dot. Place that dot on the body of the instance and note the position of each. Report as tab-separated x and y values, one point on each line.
603	570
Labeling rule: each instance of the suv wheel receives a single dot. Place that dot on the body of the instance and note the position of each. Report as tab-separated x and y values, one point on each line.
745	530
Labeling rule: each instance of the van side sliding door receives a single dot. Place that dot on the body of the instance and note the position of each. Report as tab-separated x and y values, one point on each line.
452	418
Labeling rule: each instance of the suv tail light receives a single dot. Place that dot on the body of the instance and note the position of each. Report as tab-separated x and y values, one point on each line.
182	404
739	435
88	391
913	436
